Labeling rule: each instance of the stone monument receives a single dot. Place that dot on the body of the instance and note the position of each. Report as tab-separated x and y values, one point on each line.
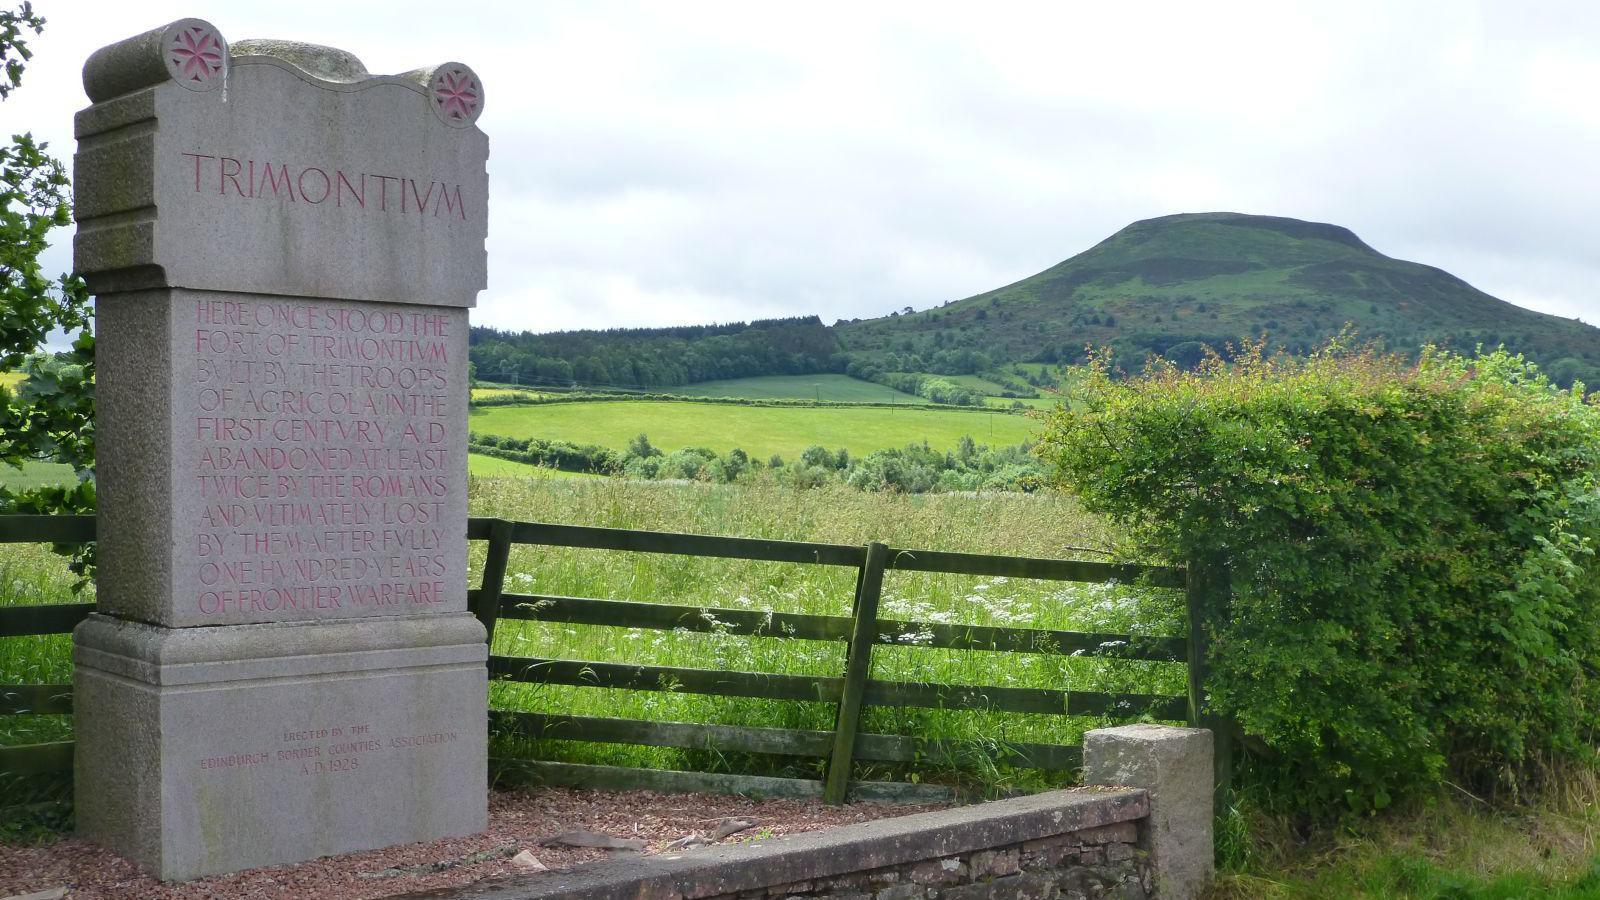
283	250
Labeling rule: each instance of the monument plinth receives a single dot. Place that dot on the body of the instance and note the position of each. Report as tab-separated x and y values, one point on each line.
283	249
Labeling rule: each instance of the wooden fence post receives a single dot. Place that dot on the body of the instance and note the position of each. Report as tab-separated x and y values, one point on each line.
487	606
857	666
1208	591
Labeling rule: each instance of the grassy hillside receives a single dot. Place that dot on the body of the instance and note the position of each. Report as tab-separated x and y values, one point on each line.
759	431
836	388
1165	285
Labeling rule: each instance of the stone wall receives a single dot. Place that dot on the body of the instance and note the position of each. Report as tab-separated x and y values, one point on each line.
1079	843
1095	862
1145	832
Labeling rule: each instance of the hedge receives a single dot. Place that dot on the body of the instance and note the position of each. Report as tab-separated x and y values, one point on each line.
1416	595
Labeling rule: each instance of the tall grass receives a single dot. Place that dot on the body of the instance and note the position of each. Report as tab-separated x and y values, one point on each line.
31	574
1011	524
1003	523
1447	846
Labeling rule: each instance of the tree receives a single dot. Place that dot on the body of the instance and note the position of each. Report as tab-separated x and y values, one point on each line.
641	447
51	414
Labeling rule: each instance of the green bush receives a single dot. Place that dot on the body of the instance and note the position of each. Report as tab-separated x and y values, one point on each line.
589	458
1415	590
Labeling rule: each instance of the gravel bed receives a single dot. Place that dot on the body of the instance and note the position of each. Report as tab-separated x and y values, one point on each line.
517	821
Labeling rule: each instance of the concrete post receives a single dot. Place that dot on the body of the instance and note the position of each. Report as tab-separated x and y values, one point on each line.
1175	766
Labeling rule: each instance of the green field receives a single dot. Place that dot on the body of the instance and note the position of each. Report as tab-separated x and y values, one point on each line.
35	475
837	388
480	466
759	430
974	383
1047	401
487	393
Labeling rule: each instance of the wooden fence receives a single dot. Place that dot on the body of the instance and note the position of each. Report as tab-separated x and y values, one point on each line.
850	691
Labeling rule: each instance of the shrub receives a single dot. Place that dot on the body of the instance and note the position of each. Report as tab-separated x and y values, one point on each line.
687	463
562	455
1415	590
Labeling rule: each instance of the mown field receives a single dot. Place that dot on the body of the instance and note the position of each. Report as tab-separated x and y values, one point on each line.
35	474
830	387
480	466
758	430
497	391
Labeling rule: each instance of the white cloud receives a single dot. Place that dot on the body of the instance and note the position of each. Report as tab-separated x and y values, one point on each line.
675	163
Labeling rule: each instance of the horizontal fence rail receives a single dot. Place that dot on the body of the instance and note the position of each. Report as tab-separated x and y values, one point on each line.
851	691
593	538
756	623
55	758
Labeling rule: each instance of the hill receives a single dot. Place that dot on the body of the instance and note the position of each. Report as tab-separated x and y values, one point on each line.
1169	284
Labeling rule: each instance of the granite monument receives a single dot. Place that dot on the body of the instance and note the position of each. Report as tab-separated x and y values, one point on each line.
283	249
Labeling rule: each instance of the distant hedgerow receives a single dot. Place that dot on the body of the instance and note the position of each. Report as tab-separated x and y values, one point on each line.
1412	551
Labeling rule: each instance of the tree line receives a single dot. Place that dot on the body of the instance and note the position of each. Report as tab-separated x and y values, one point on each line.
657	357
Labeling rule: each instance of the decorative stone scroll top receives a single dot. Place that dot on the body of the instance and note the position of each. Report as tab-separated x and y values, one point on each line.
457	94
196	55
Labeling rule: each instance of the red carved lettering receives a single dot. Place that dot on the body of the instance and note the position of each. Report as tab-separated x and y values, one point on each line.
224	176
360	196
421	200
270	178
197	158
327	186
286	181
383	191
450	206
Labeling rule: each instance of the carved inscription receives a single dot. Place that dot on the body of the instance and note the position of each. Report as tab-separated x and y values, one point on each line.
324	751
314	185
320	458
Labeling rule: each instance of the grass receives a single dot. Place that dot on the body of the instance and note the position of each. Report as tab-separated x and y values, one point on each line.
480	466
1452	847
486	393
759	431
1018	524
35	474
31	807
974	383
838	388
1005	523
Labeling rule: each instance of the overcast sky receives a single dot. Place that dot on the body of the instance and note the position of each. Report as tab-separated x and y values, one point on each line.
672	163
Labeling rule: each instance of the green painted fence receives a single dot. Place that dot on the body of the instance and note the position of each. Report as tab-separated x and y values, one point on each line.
851	691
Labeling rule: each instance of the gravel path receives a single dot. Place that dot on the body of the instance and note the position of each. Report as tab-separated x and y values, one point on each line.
517	821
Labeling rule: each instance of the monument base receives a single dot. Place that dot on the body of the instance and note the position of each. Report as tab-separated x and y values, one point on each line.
209	750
